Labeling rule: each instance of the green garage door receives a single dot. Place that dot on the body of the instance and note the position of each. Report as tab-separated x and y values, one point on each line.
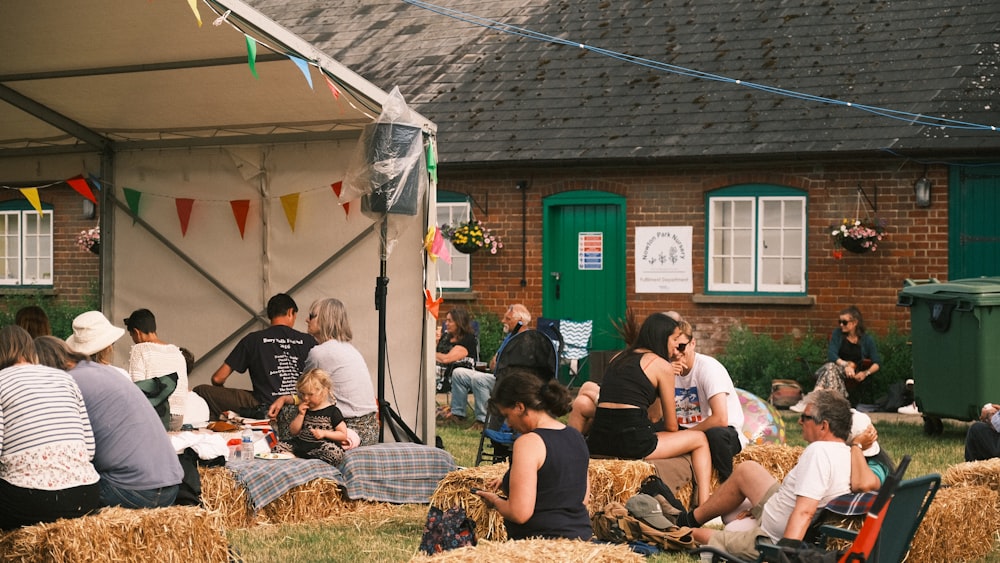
974	232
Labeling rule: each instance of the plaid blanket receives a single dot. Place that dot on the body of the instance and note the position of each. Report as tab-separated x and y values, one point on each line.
398	472
851	504
266	480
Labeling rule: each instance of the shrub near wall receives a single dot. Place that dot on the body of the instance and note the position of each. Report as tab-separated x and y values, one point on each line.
753	360
60	312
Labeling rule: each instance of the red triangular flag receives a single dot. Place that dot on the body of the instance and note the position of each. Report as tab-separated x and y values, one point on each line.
337	187
241	207
82	187
184	205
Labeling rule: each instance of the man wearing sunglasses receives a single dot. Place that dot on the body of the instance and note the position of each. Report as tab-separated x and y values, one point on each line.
782	512
706	400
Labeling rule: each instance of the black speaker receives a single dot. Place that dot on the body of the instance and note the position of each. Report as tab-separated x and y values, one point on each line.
398	193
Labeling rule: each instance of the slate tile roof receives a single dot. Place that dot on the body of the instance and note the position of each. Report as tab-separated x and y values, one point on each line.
500	97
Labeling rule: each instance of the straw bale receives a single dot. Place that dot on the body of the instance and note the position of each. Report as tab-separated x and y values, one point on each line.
535	550
610	480
178	533
221	493
986	472
961	524
777	459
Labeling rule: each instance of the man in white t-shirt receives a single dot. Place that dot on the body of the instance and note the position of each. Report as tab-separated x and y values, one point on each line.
705	399
782	512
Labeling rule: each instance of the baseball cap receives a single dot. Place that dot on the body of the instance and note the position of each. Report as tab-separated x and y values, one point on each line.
647	509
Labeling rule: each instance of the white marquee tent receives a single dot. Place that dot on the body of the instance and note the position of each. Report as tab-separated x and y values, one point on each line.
183	133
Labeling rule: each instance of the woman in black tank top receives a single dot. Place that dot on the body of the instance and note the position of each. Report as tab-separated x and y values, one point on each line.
634	381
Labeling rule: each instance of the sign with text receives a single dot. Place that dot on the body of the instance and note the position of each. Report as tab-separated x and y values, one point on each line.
663	260
590	251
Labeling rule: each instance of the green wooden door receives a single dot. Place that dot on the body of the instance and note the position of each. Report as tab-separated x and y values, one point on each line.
974	232
583	262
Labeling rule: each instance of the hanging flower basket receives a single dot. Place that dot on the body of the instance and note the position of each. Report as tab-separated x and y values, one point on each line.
472	236
859	236
90	240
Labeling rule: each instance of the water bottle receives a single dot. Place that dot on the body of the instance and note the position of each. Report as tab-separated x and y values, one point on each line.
246	450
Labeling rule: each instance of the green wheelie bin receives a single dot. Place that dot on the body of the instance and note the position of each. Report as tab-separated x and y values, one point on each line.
955	335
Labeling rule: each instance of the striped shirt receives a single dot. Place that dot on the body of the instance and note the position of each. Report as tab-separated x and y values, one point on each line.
46	441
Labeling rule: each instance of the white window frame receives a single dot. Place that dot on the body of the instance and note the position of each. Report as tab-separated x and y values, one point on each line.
31	262
458	274
743	236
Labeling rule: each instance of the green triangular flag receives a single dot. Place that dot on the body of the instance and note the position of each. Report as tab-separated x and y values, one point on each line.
132	198
432	165
252	55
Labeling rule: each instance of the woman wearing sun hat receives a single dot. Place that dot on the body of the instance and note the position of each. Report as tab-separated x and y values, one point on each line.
93	337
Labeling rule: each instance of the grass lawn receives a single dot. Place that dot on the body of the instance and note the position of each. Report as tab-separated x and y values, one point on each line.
390	533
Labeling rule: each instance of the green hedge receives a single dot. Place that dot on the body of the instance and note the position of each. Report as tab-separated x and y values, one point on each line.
753	360
60	313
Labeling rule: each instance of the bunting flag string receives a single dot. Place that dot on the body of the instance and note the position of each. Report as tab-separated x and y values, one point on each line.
132	198
337	187
194	8
304	67
82	188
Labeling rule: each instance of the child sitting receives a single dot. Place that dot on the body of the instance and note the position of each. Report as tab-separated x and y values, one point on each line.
318	430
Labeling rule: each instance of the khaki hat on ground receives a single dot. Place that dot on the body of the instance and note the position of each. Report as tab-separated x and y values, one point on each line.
647	509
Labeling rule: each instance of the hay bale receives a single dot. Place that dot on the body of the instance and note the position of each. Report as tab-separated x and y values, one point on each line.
777	459
178	533
315	500
221	493
535	550
986	472
960	524
610	480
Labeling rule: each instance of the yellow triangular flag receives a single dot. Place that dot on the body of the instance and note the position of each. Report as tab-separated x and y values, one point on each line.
194	8
31	194
291	204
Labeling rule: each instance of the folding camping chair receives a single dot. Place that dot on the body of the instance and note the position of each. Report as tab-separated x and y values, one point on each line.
886	533
527	349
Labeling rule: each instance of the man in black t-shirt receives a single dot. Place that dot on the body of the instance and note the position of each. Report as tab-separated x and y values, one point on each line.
274	357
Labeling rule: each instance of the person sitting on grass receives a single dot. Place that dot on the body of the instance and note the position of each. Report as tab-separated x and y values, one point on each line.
319	430
546	491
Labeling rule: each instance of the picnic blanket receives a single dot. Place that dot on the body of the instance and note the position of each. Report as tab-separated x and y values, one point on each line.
266	480
397	473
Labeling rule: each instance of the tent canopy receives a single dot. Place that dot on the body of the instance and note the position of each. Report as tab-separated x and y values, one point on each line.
163	111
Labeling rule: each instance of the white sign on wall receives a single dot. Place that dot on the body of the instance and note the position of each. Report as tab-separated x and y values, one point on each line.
663	260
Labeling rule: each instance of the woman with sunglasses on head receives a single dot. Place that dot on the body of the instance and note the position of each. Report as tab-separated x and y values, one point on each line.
349	375
635	379
852	357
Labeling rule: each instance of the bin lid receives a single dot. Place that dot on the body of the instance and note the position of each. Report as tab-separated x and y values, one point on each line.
978	291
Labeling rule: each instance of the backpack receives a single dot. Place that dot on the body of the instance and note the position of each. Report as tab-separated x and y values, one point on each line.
447	529
615	524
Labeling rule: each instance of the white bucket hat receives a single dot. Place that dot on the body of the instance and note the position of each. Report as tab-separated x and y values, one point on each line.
92	332
859	422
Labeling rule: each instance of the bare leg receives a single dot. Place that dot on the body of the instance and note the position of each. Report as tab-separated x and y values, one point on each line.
584	407
673	444
749	481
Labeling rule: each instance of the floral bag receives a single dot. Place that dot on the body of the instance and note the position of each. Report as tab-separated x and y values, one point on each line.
447	529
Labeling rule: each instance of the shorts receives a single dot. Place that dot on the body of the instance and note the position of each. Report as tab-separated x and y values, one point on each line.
621	433
743	544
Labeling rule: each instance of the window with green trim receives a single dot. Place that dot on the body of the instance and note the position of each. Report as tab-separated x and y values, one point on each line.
756	240
25	244
454	208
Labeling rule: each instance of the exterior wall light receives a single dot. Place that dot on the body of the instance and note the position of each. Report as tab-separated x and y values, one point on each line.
922	191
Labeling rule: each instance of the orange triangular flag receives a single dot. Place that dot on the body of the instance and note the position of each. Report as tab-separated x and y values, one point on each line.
184	206
291	204
241	207
82	187
347	208
31	194
433	305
